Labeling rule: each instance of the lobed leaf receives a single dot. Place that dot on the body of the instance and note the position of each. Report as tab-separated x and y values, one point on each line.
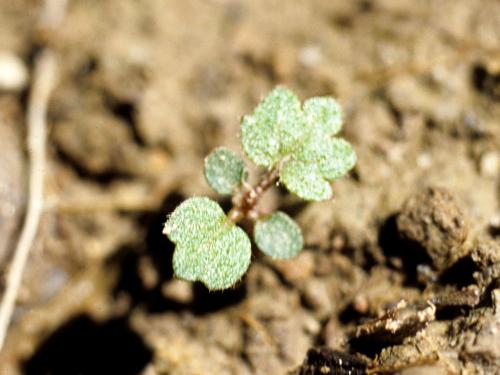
224	170
305	180
302	140
317	162
278	236
325	113
338	159
209	248
274	128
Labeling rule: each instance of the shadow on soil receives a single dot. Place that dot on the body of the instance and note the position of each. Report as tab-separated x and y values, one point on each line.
82	346
159	250
394	246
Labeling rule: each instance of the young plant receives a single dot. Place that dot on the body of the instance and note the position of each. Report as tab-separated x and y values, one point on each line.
297	147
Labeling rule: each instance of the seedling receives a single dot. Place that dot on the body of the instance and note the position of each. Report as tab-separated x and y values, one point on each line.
297	147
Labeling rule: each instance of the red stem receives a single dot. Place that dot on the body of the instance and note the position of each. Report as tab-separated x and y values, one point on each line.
244	206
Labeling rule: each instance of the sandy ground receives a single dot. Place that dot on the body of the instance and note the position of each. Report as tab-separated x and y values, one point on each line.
147	88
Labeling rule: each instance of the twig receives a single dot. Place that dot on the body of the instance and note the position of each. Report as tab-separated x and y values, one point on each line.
44	79
43	82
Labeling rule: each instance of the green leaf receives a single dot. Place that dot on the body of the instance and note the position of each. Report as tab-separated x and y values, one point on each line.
274	128
338	159
305	180
224	170
317	162
193	220
325	113
278	236
301	140
209	248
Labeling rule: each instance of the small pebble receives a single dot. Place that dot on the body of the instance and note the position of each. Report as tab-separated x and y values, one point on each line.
148	273
424	161
494	225
13	72
178	290
310	56
489	165
298	269
53	283
311	325
361	304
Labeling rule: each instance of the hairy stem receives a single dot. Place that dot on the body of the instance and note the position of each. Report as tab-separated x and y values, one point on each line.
244	205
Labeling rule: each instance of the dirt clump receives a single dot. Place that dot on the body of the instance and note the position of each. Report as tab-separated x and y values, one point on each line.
433	220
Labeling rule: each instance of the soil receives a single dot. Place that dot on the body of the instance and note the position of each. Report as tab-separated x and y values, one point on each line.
400	271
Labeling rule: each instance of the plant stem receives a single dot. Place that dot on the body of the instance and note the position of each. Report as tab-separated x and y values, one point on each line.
244	205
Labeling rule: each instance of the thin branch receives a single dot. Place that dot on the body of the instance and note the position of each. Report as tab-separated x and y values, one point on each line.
43	83
44	79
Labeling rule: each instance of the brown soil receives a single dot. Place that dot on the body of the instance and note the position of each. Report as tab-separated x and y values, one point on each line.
147	89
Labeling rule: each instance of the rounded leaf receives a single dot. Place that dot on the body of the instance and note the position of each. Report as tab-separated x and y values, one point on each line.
219	262
224	170
193	220
209	248
278	236
325	113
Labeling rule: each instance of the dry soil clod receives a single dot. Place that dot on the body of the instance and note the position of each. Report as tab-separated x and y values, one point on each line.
436	224
398	323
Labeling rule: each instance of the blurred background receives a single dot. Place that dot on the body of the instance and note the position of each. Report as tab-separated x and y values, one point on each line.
145	89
